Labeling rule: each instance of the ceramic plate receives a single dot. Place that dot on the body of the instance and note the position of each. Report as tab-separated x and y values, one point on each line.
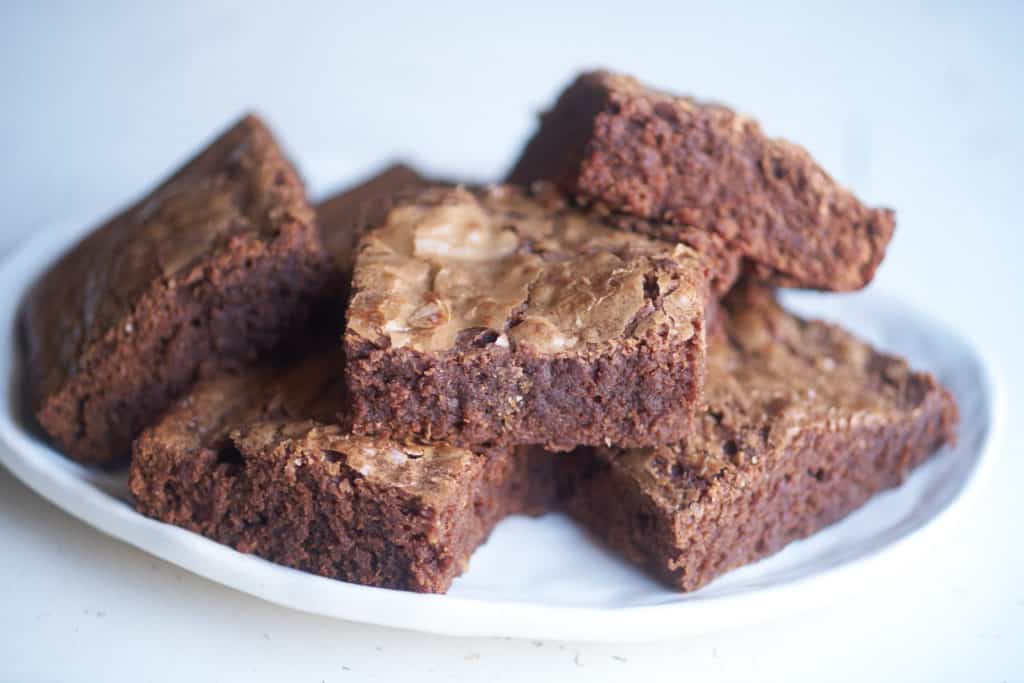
545	578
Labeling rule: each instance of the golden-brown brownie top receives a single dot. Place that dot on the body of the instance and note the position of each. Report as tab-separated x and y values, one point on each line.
521	264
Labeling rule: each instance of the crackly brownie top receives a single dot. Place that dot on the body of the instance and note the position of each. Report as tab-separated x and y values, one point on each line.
298	412
520	265
240	186
772	380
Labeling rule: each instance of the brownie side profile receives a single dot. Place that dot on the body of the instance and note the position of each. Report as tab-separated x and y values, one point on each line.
497	317
261	461
688	168
804	423
212	268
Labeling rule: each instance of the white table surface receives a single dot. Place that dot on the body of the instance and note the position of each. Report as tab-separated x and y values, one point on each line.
917	106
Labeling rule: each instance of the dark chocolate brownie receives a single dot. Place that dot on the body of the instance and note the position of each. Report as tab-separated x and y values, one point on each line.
343	214
497	317
687	168
213	267
804	423
260	461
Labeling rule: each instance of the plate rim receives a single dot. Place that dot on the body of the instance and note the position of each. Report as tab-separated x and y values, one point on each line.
442	614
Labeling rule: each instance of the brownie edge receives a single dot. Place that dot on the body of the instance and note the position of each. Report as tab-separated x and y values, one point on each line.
260	461
804	423
503	316
210	270
686	168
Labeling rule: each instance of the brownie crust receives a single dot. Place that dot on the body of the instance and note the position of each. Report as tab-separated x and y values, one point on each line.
261	461
497	317
779	454
686	168
210	270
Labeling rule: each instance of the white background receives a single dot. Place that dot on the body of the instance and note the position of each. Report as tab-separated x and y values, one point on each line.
917	106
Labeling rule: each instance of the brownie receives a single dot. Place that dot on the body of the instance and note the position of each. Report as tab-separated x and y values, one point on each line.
804	423
686	168
499	317
342	215
214	267
261	461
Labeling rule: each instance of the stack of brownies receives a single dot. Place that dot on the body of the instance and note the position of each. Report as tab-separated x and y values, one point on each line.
363	389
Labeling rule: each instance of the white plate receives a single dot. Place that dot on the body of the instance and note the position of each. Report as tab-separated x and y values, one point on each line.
544	578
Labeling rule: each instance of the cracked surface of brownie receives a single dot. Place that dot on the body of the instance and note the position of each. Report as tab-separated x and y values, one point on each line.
503	316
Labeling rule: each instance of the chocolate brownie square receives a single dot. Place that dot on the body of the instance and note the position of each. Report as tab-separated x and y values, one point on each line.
804	423
498	317
212	268
680	169
261	461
